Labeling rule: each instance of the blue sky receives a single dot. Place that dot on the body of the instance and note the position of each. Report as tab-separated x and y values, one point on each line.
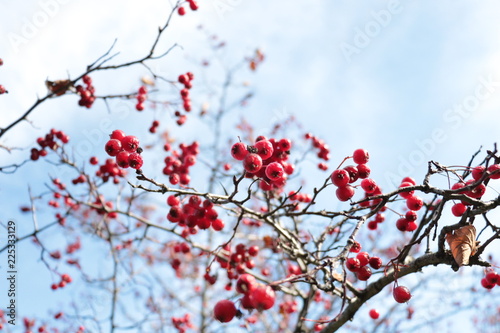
412	65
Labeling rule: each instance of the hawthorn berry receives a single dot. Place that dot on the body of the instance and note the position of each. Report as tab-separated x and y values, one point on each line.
117	134
414	202
239	151
252	163
353	264
363	258
360	156
458	209
494	171
406	194
478	172
262	297
113	147
135	161
486	284
224	311
340	177
130	143
402	224
364	273
345	193
245	283
374	314
274	171
363	171
353	173
122	159
181	11
492	277
401	294
375	262
264	149
368	185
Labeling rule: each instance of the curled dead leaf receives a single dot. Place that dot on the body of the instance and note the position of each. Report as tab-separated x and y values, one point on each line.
58	87
463	244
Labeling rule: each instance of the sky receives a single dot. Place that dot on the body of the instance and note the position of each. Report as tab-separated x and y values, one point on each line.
410	81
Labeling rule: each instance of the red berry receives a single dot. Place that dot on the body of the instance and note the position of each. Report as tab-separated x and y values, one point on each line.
130	143
494	171
402	224
411	226
401	294
340	177
135	161
356	247
262	297
122	159
94	160
368	185
414	202
2	90
274	171
245	283
360	156
172	200
406	194
458	209
193	5
352	264
285	144
411	215
375	262
218	225
117	134
478	172
113	147
224	311
181	11
364	273
363	258
345	193
252	163
264	149
374	314
239	151
363	171
353	173
409	180
487	284
492	277
139	106
253	250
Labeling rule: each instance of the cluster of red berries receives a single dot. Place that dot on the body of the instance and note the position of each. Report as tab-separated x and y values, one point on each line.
125	148
266	160
256	60
2	88
110	170
154	126
65	279
491	279
106	206
177	165
349	174
323	150
413	203
49	141
193	5
194	213
186	80
359	265
182	324
86	93
255	296
493	172
141	98
236	262
288	307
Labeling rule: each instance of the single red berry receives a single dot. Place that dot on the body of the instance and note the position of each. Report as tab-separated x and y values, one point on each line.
360	156
285	144
274	171
264	149
245	283
122	159
2	90
262	297
93	160
345	193
411	215
218	225
340	177
356	247
411	226
406	194
139	106
492	277
173	200
181	11
363	258
409	180
353	264
252	163
363	171
224	311
193	5
414	202
402	224
253	250
135	161
117	134
364	273
478	172
375	262
353	173
130	143
401	294
239	151
113	147
374	314
494	171
458	209
368	185
372	225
